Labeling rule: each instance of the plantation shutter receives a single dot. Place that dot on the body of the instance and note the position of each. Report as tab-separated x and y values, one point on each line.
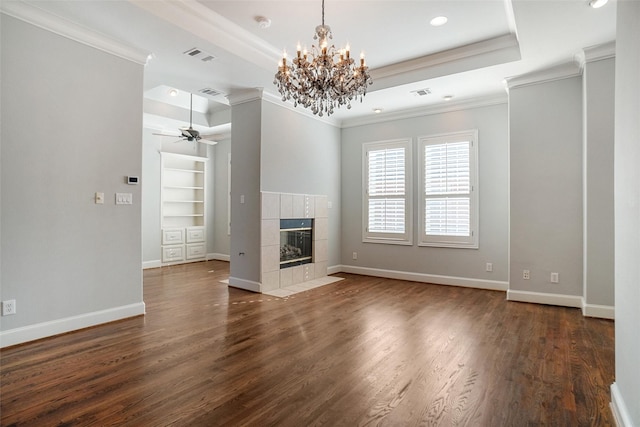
447	186
386	190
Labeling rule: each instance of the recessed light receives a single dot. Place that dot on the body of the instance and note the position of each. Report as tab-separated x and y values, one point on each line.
173	92
439	20
597	3
377	110
447	97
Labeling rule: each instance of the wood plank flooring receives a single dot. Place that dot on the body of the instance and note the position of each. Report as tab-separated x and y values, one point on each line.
364	351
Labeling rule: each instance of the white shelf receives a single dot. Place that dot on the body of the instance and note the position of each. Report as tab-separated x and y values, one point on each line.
183	170
183	204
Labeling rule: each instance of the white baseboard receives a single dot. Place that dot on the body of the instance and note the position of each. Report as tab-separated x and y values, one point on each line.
151	264
493	285
68	324
219	257
600	311
619	408
247	285
333	269
543	298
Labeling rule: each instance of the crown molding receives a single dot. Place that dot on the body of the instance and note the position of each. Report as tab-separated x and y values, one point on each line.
479	102
47	21
493	51
241	96
600	52
201	21
558	72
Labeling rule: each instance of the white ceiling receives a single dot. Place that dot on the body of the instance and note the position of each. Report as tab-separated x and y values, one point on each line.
484	42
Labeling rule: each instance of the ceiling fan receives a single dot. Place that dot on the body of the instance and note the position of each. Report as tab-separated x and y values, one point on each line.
190	134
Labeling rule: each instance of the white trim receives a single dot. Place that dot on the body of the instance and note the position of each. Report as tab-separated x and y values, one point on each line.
219	257
466	282
151	264
47	21
460	105
503	43
247	285
448	241
559	72
242	96
573	301
405	238
333	269
619	409
599	311
55	327
600	52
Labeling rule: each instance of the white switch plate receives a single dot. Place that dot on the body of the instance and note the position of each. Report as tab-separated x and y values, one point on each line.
489	267
124	198
99	198
555	278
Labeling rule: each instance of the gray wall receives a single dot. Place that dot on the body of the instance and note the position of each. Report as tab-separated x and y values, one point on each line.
151	214
301	155
598	148
626	390
245	186
546	186
71	126
491	122
220	237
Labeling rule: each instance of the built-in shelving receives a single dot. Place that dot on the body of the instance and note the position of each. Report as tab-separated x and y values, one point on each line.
183	208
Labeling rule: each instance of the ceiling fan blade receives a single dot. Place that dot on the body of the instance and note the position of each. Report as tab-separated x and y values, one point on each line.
174	135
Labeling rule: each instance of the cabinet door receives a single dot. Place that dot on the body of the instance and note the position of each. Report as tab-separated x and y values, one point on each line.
172	236
196	251
173	253
195	234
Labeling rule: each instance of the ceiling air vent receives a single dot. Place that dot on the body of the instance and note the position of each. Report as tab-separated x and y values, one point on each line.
210	92
422	92
200	54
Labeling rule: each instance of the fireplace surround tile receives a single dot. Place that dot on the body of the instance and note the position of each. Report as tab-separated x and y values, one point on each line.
270	232
270	205
276	206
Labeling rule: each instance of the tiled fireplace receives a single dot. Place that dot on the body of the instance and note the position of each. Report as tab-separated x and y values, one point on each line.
294	239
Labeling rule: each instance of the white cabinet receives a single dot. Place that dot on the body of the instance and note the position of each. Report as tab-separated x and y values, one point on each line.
183	199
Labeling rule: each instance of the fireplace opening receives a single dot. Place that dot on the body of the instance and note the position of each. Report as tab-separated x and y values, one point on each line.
296	242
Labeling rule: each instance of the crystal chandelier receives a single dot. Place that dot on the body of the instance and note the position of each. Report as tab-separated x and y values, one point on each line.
323	79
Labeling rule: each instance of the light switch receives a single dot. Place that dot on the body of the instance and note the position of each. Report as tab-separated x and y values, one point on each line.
99	198
124	198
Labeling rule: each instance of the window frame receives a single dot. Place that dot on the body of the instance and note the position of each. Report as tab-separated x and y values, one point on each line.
450	241
405	238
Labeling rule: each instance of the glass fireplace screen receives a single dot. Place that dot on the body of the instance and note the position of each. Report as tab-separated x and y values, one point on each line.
296	242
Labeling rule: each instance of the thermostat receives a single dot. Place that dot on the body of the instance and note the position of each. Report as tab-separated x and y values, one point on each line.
132	180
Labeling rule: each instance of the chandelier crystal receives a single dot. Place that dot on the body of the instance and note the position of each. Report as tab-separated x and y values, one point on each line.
323	79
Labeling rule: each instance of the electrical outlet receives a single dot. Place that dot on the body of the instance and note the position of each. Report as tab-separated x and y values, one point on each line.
489	267
8	307
526	275
555	278
355	255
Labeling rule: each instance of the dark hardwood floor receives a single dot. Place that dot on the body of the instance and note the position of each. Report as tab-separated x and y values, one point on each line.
362	351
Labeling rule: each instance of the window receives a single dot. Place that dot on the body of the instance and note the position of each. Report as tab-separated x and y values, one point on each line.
448	178
387	192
